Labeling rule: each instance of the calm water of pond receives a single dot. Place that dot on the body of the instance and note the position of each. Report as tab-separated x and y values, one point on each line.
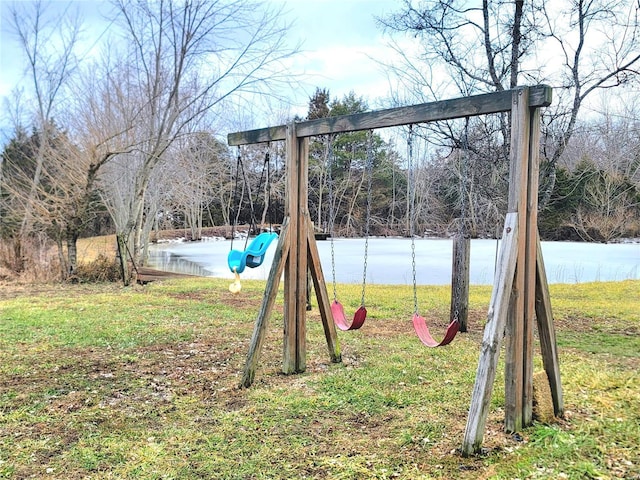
389	260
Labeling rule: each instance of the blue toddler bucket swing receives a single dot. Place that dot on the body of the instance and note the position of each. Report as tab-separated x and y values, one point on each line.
254	253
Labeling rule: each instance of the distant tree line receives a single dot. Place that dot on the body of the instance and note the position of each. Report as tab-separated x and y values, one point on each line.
203	183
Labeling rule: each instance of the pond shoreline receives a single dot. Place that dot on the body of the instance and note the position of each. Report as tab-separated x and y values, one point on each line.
389	260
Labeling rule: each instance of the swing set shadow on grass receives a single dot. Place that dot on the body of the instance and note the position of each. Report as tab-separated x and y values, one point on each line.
520	290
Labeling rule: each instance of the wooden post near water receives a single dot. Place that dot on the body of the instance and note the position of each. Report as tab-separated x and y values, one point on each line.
520	291
460	265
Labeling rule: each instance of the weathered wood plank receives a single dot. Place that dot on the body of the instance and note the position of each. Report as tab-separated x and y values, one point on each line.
460	281
324	304
547	334
538	96
530	264
303	248
517	201
289	360
146	275
260	329
258	135
492	338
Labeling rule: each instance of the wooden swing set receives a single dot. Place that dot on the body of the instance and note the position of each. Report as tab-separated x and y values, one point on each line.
520	291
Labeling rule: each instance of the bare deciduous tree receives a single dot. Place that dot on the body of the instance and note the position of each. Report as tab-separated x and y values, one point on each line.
577	46
199	166
47	40
184	59
603	158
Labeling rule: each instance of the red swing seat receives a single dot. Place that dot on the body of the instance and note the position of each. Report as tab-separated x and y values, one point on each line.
422	330
340	319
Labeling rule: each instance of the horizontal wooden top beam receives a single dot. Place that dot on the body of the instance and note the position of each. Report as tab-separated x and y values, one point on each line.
539	96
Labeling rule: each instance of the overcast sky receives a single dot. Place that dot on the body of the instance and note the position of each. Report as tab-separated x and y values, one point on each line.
339	38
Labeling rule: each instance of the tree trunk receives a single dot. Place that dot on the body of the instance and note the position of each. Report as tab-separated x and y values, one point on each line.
61	258
516	39
145	233
123	249
72	254
18	258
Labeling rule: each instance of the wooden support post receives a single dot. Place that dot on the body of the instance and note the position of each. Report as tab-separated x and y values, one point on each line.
515	332
460	281
547	334
289	356
295	291
531	248
303	252
493	333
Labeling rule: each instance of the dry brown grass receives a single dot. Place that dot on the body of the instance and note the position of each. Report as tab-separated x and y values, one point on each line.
89	249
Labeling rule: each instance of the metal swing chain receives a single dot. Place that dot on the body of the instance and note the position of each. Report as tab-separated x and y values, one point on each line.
253	225
266	191
245	184
235	196
268	199
369	173
331	215
241	171
412	213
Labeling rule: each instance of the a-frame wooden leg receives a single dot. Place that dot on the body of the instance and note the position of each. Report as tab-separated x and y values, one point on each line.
290	352
516	341
323	298
513	376
531	255
492	339
260	328
547	334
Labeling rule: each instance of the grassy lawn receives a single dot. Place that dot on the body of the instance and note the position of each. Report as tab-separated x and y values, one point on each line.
105	382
